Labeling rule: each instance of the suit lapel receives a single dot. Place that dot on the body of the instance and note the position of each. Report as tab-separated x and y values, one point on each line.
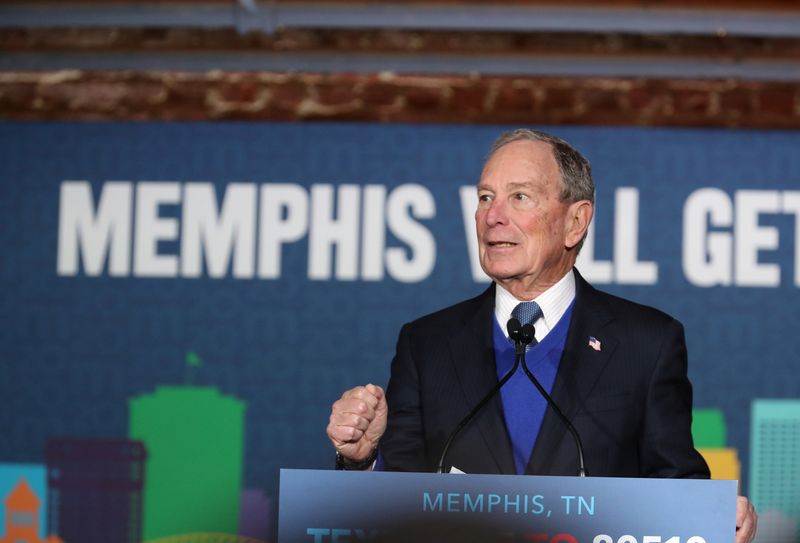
578	370
472	351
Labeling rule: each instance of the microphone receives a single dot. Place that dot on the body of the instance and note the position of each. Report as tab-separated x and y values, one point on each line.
513	333
524	336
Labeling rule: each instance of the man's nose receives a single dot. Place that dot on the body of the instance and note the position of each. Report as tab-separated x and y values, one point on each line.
496	214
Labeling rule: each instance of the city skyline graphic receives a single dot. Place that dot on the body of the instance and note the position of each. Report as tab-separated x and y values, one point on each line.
176	477
196	436
179	423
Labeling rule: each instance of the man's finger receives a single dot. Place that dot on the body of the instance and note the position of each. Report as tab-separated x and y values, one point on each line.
364	394
344	435
350	419
354	407
746	520
376	391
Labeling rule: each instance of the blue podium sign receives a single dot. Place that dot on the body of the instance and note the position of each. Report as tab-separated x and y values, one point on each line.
339	507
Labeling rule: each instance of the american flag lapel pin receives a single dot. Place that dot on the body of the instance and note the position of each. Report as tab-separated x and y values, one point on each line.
595	344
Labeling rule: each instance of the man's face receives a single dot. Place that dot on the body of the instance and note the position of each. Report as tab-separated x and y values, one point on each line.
524	229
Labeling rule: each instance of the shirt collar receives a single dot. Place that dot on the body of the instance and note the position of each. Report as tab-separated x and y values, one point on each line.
553	301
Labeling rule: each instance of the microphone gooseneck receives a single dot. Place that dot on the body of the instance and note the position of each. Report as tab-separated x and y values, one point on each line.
515	332
527	334
522	337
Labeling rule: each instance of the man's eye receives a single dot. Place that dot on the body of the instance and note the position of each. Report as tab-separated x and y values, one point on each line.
520	196
484	198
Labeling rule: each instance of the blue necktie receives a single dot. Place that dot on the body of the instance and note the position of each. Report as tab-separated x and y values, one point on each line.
527	313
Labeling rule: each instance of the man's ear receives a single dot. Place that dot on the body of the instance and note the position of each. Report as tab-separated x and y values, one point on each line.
579	215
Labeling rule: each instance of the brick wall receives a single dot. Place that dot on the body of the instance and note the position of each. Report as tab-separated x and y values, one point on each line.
80	95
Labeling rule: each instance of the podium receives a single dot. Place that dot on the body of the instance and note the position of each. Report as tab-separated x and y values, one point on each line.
318	506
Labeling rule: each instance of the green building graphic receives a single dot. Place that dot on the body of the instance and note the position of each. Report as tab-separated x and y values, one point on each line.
195	440
775	469
708	428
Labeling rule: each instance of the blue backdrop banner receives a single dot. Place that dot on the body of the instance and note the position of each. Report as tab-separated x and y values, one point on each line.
182	302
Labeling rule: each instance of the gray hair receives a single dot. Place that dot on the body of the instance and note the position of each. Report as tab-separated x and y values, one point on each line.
576	172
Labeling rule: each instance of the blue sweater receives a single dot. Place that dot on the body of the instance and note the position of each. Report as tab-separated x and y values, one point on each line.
523	406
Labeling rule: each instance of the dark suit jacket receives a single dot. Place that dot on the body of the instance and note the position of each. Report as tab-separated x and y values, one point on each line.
630	401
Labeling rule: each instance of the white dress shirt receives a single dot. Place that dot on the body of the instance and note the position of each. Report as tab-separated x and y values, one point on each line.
553	301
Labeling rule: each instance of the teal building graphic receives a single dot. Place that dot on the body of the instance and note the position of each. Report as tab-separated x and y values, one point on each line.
775	469
195	440
35	475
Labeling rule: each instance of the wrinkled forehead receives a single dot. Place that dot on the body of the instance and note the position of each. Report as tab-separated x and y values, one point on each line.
522	162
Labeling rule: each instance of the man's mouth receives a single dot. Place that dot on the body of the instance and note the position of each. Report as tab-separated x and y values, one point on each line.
501	244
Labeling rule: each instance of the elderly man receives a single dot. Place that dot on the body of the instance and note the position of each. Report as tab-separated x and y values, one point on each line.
615	368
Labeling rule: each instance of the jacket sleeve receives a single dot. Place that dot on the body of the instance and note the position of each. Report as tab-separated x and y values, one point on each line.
402	446
666	445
